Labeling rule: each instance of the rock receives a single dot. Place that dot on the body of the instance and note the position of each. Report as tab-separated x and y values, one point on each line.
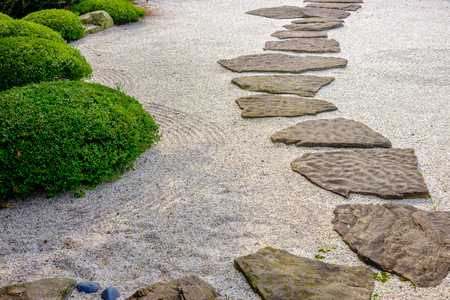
96	21
288	34
309	12
338	133
110	293
187	288
88	287
281	63
280	12
49	289
278	275
304	45
314	26
279	106
398	238
301	85
334	1
342	6
386	173
317	20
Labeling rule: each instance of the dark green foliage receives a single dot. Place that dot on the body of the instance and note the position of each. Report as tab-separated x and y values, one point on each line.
5	17
61	136
24	28
121	11
25	60
63	21
20	8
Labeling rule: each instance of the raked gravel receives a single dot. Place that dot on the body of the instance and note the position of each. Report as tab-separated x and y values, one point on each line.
216	187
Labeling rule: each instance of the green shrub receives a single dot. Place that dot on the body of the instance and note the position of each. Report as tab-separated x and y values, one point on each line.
24	28
25	60
63	21
61	136
121	11
20	8
5	17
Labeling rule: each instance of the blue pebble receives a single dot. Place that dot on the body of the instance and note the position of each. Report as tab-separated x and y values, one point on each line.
110	293
88	287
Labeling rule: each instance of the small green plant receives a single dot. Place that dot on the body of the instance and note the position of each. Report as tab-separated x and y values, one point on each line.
121	11
383	277
119	86
324	251
406	279
13	28
375	296
434	204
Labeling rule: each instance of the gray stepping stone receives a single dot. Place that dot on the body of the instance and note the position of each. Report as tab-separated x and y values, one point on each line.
386	173
302	85
337	133
288	34
317	20
305	46
49	289
279	106
278	275
342	6
334	1
324	12
281	63
280	12
314	26
398	238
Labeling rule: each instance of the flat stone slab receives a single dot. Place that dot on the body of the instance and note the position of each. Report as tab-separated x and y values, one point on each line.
342	6
302	85
278	275
386	173
338	133
334	1
280	12
398	238
305	46
324	12
49	289
281	63
314	26
279	106
288	34
317	20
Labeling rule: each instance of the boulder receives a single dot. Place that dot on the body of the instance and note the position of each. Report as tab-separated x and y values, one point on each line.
49	289
96	21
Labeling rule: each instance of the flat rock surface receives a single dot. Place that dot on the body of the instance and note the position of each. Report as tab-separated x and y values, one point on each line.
334	1
280	12
304	45
302	85
281	63
49	289
338	133
288	34
398	238
278	275
317	20
324	12
279	106
314	26
342	6
386	173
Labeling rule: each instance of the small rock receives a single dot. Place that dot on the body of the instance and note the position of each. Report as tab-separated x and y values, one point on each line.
88	287
17	291
110	293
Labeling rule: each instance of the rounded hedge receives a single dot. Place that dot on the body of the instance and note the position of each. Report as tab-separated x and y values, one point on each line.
63	21
24	28
5	17
121	11
61	136
25	60
20	8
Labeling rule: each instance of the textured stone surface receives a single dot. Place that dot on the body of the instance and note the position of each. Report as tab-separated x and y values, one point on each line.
334	1
317	20
398	238
324	12
279	106
288	34
338	133
49	289
314	26
342	6
88	287
302	85
304	45
281	63
187	288
386	173
96	21
280	12
110	293
278	275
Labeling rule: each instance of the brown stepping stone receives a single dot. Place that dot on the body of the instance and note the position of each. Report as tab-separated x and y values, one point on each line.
302	85
334	1
278	106
317	20
398	238
288	34
324	12
48	289
386	173
314	26
304	46
280	12
281	63
342	6
279	275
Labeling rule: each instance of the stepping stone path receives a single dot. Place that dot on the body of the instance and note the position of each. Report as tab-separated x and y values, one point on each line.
342	6
304	45
48	289
314	26
337	133
288	34
301	85
386	173
398	238
278	275
280	106
280	12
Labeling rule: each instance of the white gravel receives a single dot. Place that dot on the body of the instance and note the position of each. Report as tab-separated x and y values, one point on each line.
216	187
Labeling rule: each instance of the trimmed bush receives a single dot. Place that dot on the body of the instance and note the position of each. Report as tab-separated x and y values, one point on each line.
5	17
20	8
121	11
25	60
61	136
63	21
24	28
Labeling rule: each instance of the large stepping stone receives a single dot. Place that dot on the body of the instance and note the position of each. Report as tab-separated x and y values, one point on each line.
317	20
309	12
279	106
280	12
398	238
288	34
338	133
314	26
278	275
386	173
281	63
342	6
334	1
304	45
187	288
49	289
302	85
